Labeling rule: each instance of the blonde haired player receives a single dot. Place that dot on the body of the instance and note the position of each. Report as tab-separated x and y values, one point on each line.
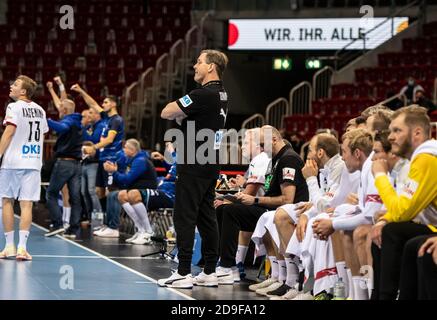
21	149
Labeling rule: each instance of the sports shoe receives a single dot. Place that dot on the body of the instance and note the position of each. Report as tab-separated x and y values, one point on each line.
23	255
264	284
304	296
54	231
8	252
108	233
100	230
240	267
66	225
224	277
323	296
206	280
129	240
273	286
236	274
99	227
280	291
143	238
177	281
289	295
69	235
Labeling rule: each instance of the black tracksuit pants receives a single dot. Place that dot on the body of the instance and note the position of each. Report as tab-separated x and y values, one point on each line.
194	206
236	218
419	274
387	260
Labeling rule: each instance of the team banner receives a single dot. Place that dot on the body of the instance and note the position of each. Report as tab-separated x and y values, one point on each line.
311	34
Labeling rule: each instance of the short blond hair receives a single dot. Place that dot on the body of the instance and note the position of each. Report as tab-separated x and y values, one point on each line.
27	84
134	143
359	139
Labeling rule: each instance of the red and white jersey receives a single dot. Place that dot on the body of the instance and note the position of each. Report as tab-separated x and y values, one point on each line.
26	148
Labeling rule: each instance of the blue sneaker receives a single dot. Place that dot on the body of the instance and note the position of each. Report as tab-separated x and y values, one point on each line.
240	267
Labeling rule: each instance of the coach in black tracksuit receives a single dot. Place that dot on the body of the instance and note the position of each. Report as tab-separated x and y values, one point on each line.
203	108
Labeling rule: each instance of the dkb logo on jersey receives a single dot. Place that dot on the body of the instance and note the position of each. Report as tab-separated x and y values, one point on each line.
32	149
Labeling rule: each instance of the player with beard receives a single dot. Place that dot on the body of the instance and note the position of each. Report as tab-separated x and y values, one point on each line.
414	211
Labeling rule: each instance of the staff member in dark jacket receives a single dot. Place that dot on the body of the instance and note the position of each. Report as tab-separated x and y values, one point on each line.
132	170
205	110
66	169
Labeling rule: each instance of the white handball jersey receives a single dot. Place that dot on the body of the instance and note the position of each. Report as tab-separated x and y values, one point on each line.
257	171
26	148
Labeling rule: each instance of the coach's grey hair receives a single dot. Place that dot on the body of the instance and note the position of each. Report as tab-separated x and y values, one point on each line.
134	143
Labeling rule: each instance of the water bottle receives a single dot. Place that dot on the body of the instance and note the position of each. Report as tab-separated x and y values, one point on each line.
339	290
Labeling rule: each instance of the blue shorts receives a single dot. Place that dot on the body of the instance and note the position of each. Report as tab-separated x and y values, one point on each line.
155	199
102	176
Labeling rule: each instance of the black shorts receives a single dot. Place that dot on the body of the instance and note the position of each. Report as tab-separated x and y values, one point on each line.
102	176
155	199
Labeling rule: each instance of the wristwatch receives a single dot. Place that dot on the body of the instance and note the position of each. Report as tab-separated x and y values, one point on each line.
256	201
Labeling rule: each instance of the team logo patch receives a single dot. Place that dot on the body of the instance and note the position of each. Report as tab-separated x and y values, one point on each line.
185	101
373	198
288	174
410	188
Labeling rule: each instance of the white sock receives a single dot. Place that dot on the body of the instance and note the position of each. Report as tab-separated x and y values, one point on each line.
241	254
133	215
24	235
360	290
143	217
9	238
66	213
350	283
341	271
282	270
274	266
292	272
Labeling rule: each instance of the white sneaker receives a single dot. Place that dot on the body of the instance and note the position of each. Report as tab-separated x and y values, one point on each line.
109	233
99	227
264	284
100	230
223	276
304	296
206	280
129	240
236	274
142	238
290	295
177	281
273	286
66	225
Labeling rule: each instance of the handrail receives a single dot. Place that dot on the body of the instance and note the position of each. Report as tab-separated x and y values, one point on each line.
188	40
363	38
303	97
399	96
324	91
247	124
275	112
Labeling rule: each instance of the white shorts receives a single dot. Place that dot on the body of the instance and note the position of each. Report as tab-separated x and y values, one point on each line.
21	184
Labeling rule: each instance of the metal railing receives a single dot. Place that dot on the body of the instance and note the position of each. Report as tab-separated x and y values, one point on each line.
177	67
301	98
346	55
400	97
276	111
255	121
322	83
